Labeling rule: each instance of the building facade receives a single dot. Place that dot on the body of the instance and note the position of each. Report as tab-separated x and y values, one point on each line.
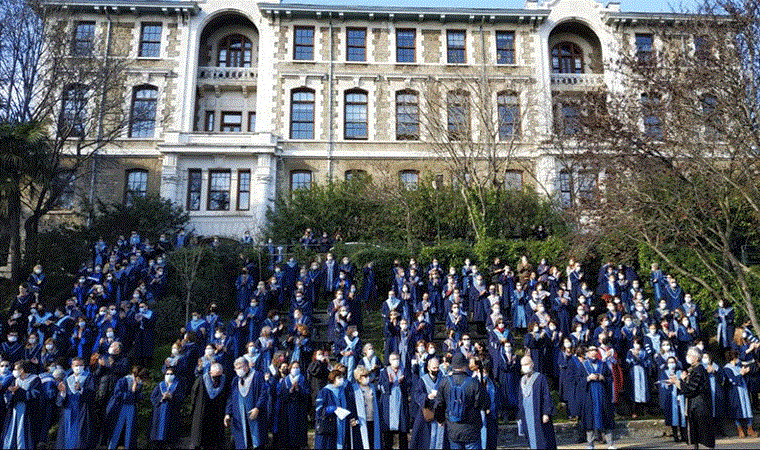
253	100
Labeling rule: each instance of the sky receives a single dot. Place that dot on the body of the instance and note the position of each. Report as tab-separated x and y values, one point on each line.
625	5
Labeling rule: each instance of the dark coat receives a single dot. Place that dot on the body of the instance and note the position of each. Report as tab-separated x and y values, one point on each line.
696	388
476	400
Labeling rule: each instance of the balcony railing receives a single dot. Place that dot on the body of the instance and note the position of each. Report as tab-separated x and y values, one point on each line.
224	74
576	80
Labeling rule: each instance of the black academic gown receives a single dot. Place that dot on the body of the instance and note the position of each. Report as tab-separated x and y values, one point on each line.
696	388
207	430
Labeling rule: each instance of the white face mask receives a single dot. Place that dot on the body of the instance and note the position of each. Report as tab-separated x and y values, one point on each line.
295	371
209	351
109	334
168	378
16	373
420	349
339	382
665	348
240	373
568	344
175	351
218	335
12	338
77	370
394	363
672	366
526	368
251	350
49	347
706	360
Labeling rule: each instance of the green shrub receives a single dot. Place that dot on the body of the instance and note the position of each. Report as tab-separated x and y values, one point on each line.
449	253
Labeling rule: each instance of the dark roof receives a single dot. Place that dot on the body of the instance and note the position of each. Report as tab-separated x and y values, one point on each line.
128	6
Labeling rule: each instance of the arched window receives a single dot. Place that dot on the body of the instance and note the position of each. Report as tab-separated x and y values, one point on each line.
234	51
509	115
355	120
302	114
142	121
136	184
407	116
73	111
567	57
300	179
409	179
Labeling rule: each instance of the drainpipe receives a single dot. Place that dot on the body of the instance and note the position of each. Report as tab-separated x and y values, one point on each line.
332	107
100	121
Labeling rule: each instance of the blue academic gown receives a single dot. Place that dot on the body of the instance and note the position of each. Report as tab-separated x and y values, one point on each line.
121	412
638	364
672	402
739	404
254	393
166	412
426	434
75	426
489	429
507	372
394	404
566	380
328	400
291	412
596	411
535	402
343	346
19	430
717	391
360	436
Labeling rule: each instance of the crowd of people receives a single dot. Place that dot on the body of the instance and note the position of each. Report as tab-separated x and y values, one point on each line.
463	348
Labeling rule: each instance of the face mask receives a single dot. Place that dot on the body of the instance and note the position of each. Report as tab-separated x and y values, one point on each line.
240	373
77	370
568	344
49	347
431	351
508	349
628	323
295	371
672	366
113	312
175	351
82	324
526	368
665	348
12	338
420	349
466	343
209	351
33	311
394	363
218	335
16	373
109	334
3	370
706	360
339	382
251	350
168	378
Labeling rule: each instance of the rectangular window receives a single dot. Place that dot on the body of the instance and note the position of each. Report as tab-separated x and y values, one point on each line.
150	40
586	186
455	46
513	180
509	116
405	45
458	113
651	111
67	198
194	182
302	114
409	179
505	47
565	189
251	121
208	125
569	119
244	190
356	44
407	116
303	49
645	48
300	179
218	190
84	39
232	121
356	115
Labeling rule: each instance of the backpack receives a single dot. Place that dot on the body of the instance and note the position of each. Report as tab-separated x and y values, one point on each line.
455	400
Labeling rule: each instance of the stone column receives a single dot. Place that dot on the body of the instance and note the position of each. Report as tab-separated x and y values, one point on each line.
170	178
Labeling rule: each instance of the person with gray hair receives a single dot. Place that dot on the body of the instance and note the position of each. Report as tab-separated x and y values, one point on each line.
694	385
535	407
208	401
245	407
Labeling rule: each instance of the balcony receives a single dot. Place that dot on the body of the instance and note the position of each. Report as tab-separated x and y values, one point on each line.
219	77
576	81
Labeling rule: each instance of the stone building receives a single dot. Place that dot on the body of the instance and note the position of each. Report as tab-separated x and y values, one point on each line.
253	100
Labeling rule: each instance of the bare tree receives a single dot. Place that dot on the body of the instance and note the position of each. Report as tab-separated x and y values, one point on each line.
473	122
679	144
186	261
68	82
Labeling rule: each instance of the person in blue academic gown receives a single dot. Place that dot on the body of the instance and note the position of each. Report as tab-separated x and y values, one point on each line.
331	431
207	404
144	339
739	403
245	412
490	416
244	286
507	367
672	402
566	366
48	414
394	388
596	411
428	432
724	325
22	402
121	412
717	391
362	399
76	397
348	350
639	368
535	408
292	409
167	398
